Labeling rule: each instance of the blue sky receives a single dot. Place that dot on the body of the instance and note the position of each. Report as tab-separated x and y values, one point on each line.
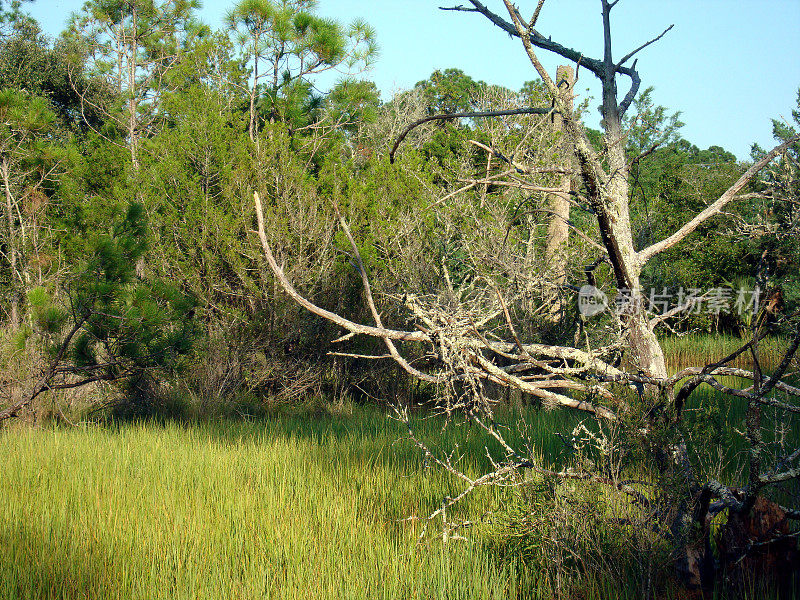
730	66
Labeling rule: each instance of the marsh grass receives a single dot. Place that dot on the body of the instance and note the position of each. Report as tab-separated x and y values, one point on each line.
715	421
701	349
321	502
283	508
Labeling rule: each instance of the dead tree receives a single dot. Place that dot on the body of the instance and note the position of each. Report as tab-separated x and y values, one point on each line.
472	339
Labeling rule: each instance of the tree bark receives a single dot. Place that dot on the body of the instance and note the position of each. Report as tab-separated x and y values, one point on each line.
557	243
607	187
133	105
646	353
12	245
253	92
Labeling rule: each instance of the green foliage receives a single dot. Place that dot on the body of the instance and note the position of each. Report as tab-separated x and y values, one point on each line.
10	12
131	47
23	117
195	184
147	322
354	103
446	92
286	44
671	181
45	315
650	126
29	62
450	91
207	59
29	154
109	318
779	214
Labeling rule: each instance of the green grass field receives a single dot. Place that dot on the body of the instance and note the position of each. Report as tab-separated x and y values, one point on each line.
702	349
289	508
295	506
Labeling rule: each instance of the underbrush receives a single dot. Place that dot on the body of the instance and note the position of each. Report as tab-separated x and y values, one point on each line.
584	541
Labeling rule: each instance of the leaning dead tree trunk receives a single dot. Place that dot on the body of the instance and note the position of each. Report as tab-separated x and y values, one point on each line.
607	185
607	181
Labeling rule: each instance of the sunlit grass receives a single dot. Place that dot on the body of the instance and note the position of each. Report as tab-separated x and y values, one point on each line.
715	422
701	349
290	508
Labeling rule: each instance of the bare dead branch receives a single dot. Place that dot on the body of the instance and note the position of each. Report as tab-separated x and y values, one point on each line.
773	478
520	168
540	41
361	356
775	379
356	328
536	13
533	390
509	322
374	310
713	209
725	494
646	153
748	394
656	321
46	376
630	55
464	115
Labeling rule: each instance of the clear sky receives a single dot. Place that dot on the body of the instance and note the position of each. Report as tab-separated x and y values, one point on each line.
730	66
